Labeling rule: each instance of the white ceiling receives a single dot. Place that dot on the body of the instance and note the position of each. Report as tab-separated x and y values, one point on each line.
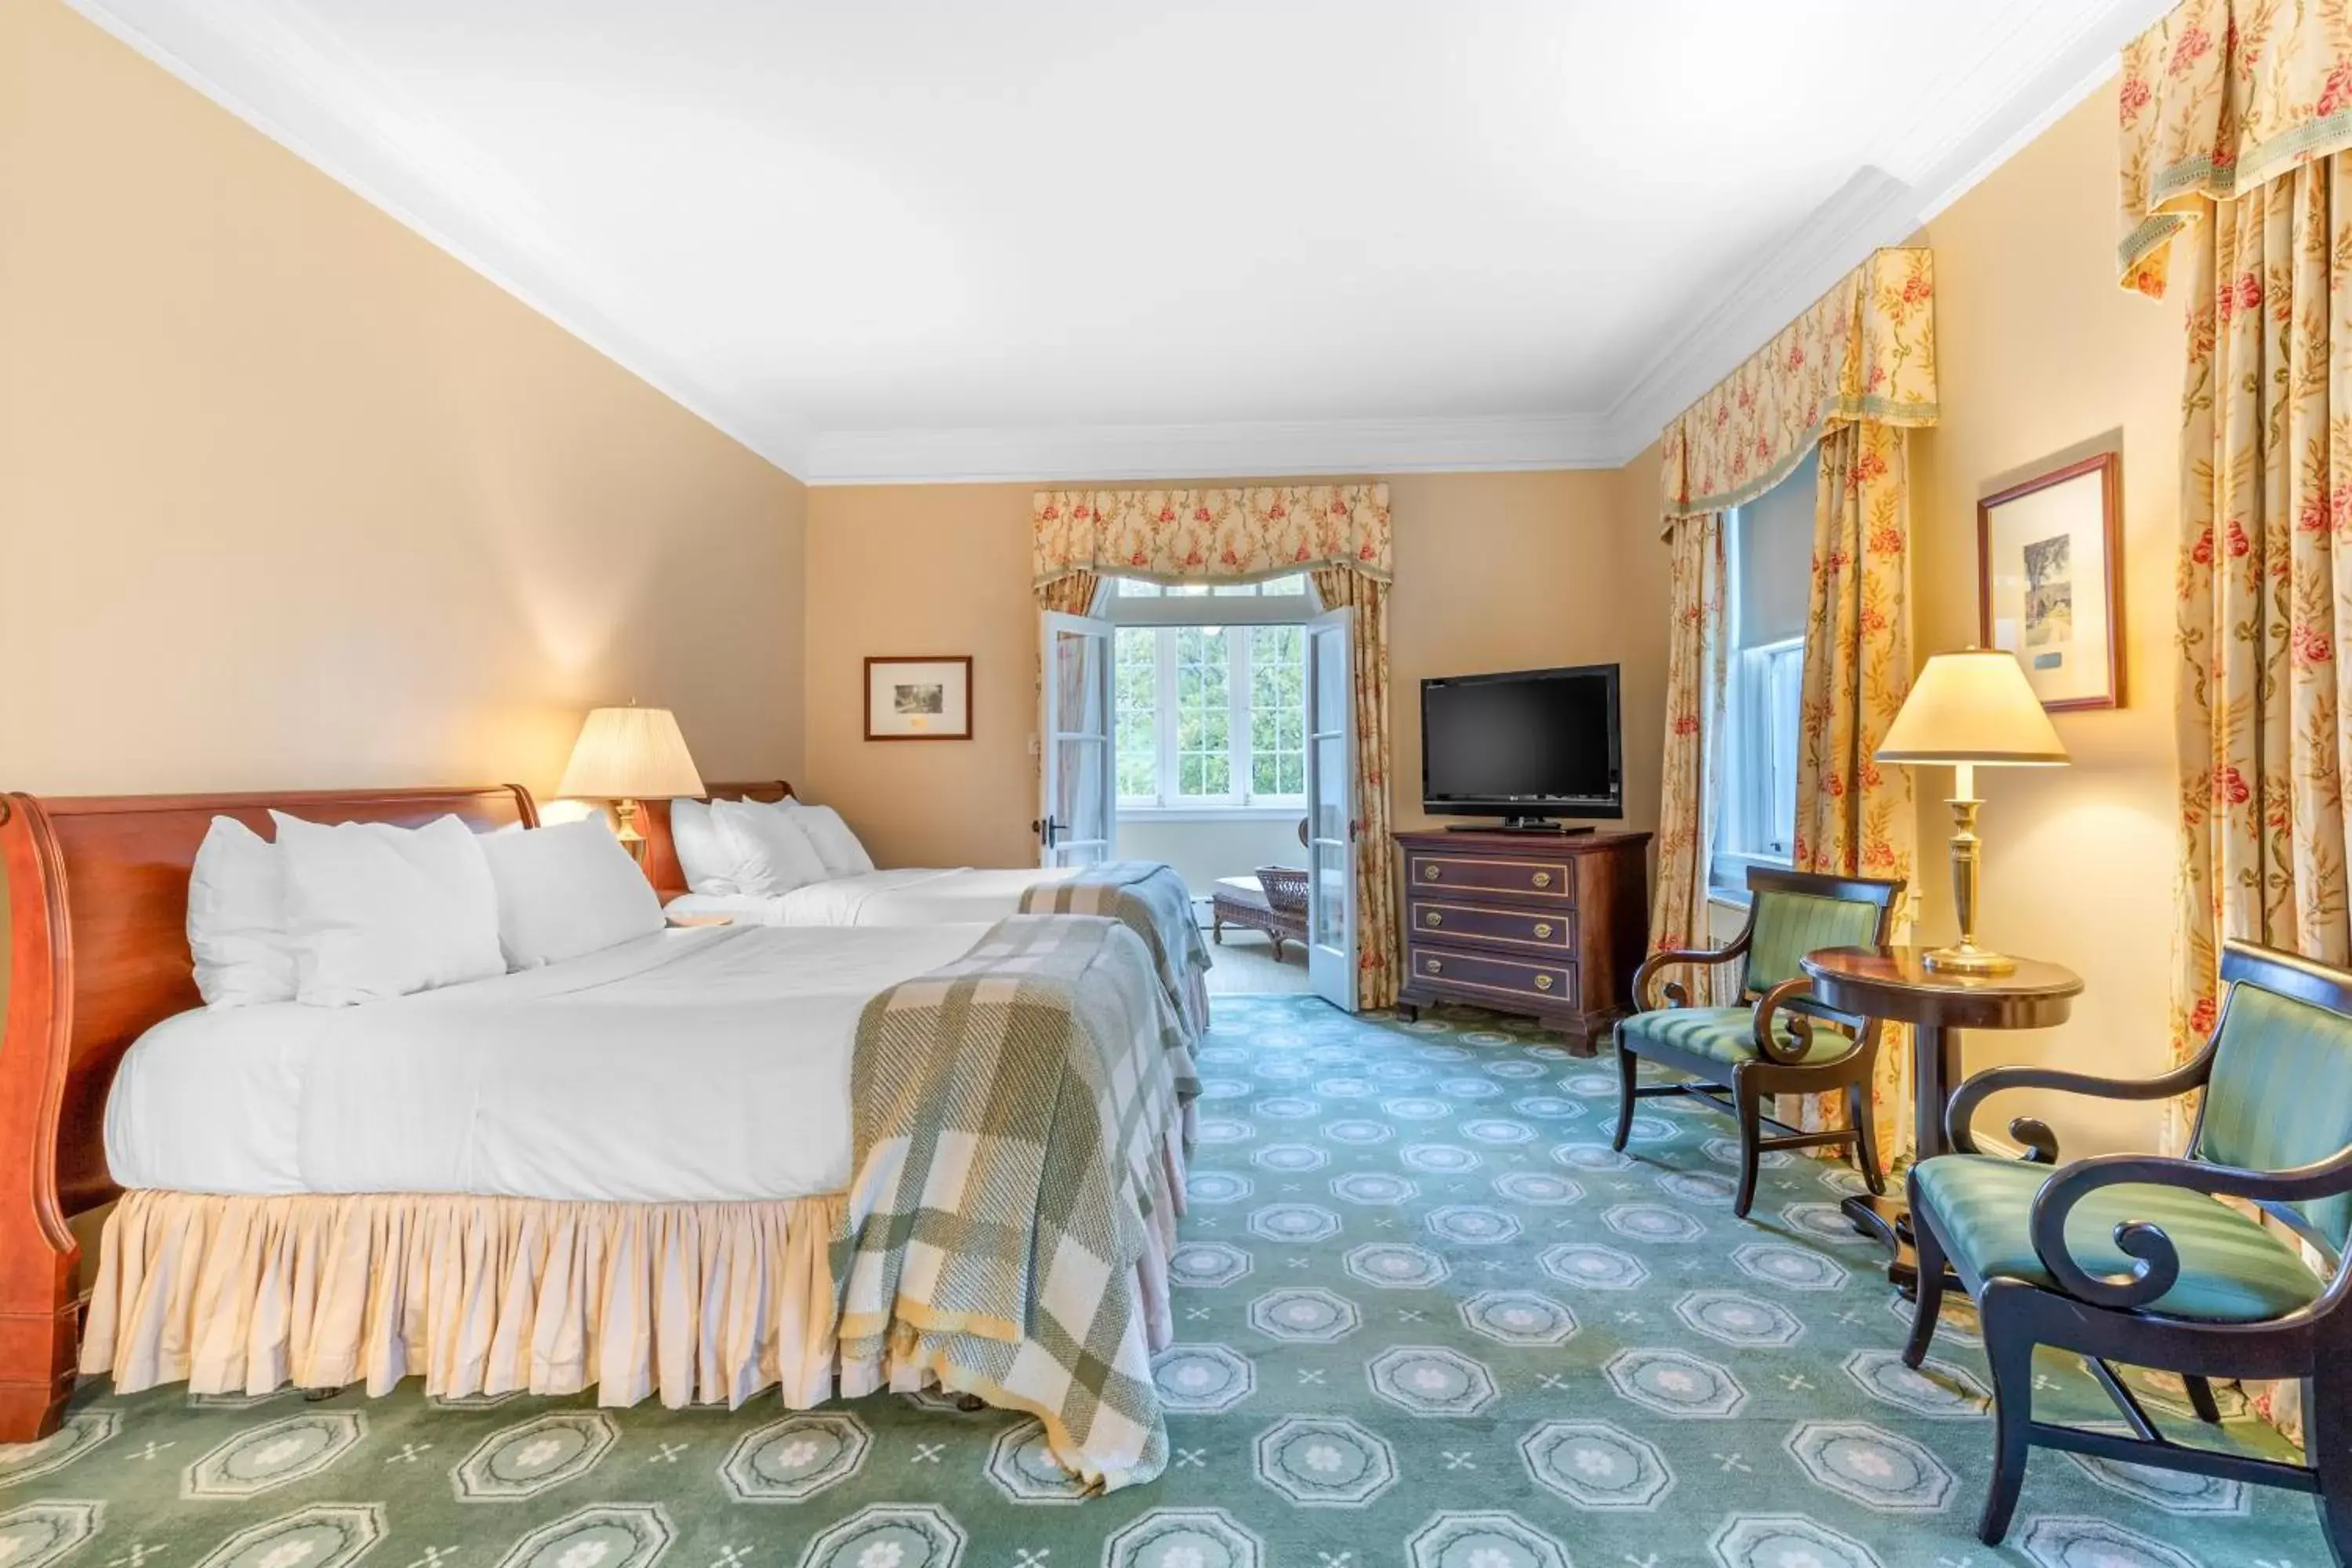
1068	238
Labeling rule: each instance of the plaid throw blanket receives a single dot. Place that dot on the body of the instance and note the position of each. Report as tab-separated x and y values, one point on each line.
1018	1168
1152	901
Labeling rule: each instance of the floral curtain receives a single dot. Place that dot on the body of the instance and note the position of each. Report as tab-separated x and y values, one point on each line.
2217	99
1694	684
2236	129
1864	351
1377	924
1853	817
1849	375
1173	536
1340	535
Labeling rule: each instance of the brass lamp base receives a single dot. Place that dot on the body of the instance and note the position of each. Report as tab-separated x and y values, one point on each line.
1967	958
1964	956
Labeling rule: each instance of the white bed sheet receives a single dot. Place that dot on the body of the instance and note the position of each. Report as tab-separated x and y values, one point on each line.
686	1065
896	897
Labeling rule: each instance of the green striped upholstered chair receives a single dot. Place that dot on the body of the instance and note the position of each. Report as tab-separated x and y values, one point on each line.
2132	1259
1778	1040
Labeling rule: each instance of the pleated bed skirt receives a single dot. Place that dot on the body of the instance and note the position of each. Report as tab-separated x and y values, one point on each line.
697	1303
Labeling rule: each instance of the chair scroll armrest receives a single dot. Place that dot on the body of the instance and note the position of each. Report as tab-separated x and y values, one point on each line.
1768	1043
1665	957
2157	1268
2042	1145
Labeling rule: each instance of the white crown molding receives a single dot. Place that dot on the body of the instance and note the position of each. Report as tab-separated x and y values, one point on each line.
1206	451
1874	208
257	59
329	110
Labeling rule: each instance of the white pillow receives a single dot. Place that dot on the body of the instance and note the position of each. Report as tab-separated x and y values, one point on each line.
237	919
773	854
843	855
567	891
376	911
711	865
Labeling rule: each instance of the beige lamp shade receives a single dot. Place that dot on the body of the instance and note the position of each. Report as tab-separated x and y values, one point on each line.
1974	706
630	754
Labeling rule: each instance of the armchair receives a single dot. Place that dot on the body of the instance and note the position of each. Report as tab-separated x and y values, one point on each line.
1774	1041
2131	1259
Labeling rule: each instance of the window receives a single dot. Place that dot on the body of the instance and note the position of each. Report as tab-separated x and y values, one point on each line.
1211	694
1767	556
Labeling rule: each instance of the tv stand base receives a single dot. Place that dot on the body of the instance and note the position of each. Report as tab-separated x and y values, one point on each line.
1519	824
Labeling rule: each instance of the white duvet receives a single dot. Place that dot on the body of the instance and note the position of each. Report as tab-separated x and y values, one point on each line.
899	898
686	1066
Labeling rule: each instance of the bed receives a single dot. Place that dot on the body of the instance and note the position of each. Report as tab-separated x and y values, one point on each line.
1152	899
681	1167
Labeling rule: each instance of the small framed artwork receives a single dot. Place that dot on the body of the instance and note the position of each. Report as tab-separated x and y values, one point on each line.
2050	581
926	699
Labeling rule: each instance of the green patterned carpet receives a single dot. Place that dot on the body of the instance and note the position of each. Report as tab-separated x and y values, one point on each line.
1425	1317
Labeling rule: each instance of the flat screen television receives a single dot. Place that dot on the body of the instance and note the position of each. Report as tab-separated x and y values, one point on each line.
1523	745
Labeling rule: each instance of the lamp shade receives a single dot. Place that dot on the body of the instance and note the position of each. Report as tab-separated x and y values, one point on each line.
1972	707
630	754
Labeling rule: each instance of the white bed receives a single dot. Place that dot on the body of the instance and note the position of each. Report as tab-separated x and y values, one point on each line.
686	1066
896	897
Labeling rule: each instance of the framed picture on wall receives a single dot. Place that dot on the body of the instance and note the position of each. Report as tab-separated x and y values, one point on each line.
918	699
2050	581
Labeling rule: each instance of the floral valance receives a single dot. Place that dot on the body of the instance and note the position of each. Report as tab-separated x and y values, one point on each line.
1864	351
1171	536
2217	99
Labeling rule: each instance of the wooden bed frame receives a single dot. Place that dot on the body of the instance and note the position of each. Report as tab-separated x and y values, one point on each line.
661	869
96	893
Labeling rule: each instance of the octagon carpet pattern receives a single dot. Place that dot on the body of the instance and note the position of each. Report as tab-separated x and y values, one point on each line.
1425	1317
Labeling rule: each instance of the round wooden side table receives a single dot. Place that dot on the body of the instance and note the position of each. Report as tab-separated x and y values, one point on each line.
1896	983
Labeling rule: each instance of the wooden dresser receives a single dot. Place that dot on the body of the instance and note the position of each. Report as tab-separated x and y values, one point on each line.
1548	925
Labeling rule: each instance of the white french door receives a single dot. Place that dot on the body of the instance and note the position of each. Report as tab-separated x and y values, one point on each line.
1331	808
1078	788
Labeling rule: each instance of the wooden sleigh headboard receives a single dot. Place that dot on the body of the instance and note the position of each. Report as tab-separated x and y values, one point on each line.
661	869
97	901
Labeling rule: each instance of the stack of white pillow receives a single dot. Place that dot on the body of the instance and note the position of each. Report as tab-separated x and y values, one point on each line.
362	911
731	848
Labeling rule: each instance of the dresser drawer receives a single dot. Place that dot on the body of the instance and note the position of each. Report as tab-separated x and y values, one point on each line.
1549	985
1475	874
1538	931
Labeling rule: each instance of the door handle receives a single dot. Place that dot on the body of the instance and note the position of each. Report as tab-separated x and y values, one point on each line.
1048	829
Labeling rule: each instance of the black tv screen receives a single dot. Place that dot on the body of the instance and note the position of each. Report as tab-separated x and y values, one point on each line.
1522	744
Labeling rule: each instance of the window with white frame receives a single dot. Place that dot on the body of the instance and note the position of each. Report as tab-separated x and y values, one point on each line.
1211	683
1768	548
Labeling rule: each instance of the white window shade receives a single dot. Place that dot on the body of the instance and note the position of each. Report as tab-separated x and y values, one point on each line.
1774	583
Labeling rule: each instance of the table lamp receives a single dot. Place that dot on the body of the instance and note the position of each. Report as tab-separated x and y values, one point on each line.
625	755
1968	708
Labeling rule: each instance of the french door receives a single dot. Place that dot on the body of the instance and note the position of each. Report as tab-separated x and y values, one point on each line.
1331	808
1078	788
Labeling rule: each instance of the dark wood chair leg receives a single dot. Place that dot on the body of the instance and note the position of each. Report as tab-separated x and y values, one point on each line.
1748	1100
2327	1444
2200	1400
2009	1348
1929	1246
1865	1144
1275	937
1217	932
1626	1064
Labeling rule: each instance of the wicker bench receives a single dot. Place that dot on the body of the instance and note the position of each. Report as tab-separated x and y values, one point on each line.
1273	902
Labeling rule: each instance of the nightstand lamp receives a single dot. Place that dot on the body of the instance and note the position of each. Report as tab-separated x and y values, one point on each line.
625	755
1965	709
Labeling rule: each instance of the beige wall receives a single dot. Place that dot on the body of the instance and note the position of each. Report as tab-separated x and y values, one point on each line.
289	497
2041	353
1493	571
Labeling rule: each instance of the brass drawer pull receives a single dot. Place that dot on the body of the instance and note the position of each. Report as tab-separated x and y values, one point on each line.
1429	873
1543	981
1543	928
1543	878
1434	918
1432	966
